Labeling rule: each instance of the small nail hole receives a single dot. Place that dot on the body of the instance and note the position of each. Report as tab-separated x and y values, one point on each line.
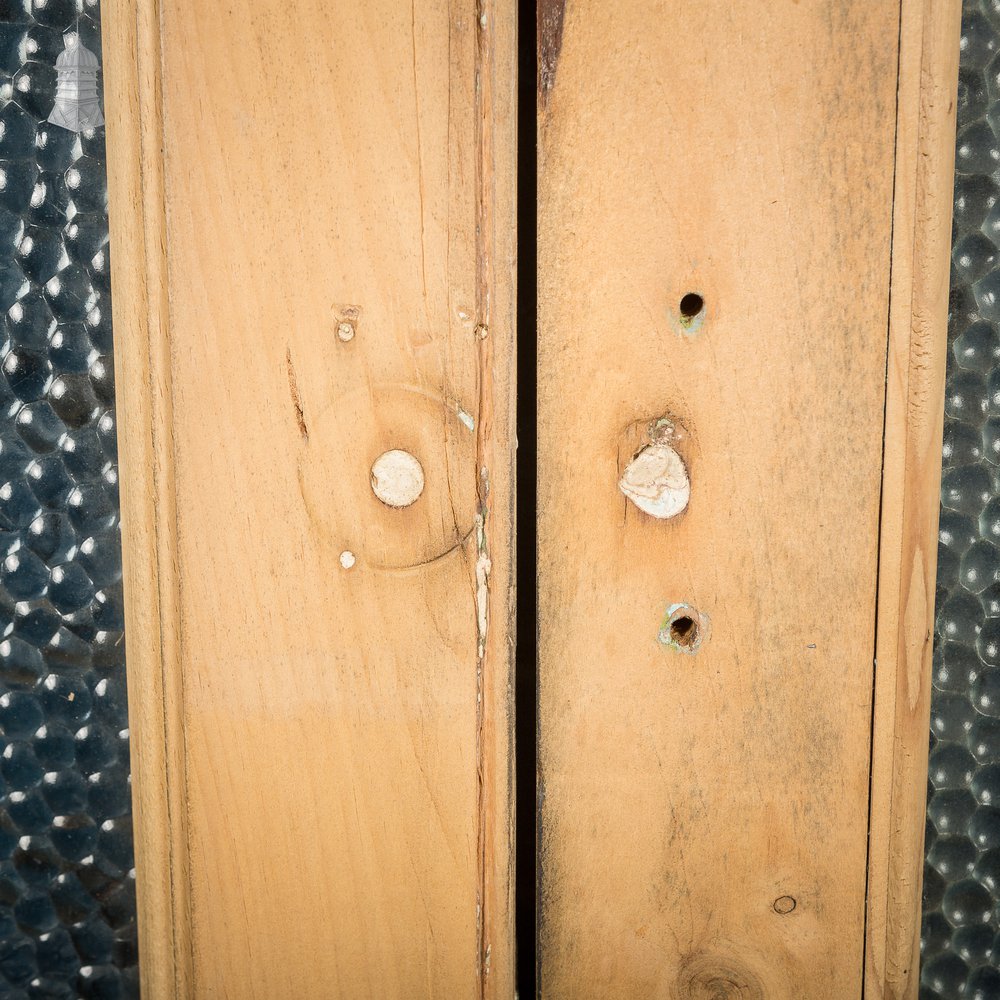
691	306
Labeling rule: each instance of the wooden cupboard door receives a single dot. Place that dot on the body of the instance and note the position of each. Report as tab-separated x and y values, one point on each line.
743	228
312	225
742	267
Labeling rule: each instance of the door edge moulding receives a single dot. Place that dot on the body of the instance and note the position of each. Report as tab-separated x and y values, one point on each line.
911	490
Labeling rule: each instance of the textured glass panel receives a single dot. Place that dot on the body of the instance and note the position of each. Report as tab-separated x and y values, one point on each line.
960	943
67	893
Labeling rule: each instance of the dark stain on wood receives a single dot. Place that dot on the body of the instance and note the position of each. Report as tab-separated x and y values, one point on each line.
551	14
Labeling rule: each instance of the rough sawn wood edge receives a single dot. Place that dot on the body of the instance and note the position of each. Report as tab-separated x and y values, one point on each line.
918	310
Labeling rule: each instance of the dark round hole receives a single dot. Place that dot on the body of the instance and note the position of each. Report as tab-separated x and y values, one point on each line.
691	305
684	631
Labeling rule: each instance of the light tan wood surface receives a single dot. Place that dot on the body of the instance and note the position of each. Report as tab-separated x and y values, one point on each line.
312	223
704	818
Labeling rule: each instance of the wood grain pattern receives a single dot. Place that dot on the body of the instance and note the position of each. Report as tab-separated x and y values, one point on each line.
321	754
911	478
705	818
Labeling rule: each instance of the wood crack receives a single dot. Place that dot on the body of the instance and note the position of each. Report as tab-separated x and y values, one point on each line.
293	388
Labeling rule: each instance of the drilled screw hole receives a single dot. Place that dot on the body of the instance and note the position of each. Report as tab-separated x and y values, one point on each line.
684	632
691	306
684	628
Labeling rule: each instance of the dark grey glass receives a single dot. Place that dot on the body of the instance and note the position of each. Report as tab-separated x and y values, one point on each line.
67	884
960	942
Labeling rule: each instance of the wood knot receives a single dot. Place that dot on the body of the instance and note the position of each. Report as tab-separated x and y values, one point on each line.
717	977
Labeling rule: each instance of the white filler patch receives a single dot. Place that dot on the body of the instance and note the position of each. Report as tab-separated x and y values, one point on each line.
657	482
397	478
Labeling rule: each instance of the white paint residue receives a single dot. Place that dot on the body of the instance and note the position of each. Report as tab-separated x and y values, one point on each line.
466	419
657	482
397	478
483	568
347	559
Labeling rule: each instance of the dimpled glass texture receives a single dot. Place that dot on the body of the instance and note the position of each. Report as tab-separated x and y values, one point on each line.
67	883
960	940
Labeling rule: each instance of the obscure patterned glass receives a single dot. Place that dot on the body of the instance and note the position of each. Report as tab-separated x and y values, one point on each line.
67	886
961	925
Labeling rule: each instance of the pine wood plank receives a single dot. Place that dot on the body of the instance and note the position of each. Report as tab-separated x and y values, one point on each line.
704	818
312	222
